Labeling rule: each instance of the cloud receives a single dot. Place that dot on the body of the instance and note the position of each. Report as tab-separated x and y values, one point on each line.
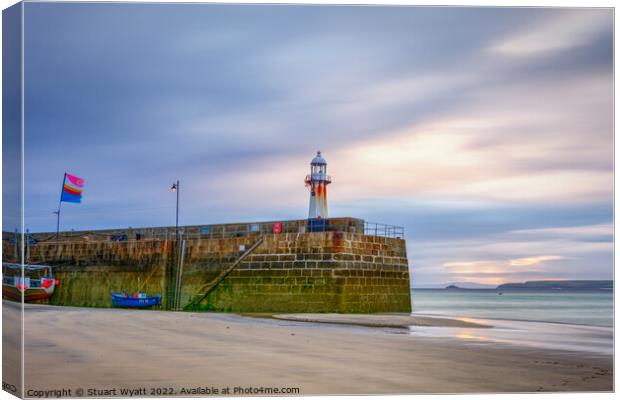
497	266
486	132
584	232
528	261
499	271
529	152
569	29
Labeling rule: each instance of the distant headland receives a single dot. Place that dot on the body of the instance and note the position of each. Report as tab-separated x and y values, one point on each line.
540	285
558	285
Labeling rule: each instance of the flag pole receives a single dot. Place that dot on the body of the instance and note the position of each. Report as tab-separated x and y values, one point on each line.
62	188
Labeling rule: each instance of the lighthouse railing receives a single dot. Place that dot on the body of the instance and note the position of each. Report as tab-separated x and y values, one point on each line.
318	177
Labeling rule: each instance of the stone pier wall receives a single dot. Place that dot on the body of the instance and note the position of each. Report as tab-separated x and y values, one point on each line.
288	272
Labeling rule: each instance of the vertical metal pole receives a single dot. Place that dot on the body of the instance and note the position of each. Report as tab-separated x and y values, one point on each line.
179	277
62	188
177	219
57	222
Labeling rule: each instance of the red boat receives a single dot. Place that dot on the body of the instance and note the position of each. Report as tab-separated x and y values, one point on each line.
36	285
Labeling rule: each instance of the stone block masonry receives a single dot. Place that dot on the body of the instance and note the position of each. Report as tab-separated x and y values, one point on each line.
289	272
309	272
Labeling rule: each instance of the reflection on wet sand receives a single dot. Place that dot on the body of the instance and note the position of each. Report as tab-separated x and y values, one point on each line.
546	335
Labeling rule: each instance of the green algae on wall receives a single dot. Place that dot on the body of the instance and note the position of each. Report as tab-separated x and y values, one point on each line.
91	286
289	272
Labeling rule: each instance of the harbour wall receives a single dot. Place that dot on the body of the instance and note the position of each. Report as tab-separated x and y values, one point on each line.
330	271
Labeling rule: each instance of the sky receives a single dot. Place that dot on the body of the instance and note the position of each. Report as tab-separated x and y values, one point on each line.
486	132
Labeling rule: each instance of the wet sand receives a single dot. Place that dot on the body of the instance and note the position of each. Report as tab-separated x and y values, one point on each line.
112	349
382	320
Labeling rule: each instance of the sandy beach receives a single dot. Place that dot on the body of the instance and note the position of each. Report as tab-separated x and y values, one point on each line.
111	349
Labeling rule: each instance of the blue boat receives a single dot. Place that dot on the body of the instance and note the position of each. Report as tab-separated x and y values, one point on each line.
135	300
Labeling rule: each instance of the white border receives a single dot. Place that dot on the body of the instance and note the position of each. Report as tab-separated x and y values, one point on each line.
480	3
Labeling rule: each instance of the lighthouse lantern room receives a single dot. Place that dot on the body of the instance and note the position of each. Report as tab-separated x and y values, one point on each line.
317	182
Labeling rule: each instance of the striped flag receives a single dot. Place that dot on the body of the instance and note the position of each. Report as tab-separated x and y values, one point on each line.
72	187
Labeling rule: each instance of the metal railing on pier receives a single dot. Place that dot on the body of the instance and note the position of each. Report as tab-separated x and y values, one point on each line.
349	225
377	229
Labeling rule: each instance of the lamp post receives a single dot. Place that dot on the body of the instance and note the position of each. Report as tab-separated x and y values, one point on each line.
176	187
174	296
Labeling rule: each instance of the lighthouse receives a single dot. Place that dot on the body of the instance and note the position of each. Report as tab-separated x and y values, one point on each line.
317	182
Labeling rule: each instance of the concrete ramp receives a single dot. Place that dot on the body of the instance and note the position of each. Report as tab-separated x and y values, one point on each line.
211	286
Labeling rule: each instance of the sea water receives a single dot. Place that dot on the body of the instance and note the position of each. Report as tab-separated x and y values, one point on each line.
559	320
570	307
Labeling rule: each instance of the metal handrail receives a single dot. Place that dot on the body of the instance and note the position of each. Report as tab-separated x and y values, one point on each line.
349	225
318	177
385	230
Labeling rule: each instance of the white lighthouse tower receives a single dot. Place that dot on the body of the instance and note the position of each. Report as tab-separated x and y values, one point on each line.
317	182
